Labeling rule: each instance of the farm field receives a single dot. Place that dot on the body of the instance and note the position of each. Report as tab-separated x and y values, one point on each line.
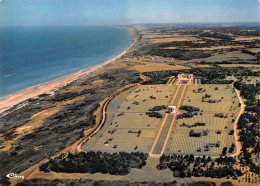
218	128
229	56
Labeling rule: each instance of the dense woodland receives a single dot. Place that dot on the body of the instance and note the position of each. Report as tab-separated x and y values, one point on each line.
94	162
215	75
187	166
249	124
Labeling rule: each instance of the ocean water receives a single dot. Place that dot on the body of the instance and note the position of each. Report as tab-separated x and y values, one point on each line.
34	55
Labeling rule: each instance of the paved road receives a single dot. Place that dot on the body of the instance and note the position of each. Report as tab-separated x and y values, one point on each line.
160	142
166	127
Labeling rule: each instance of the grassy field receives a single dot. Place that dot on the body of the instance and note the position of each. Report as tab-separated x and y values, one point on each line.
120	131
229	56
128	128
181	143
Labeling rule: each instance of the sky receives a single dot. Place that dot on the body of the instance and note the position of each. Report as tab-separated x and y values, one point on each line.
111	12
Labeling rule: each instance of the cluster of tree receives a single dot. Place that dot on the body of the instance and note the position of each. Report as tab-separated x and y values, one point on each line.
212	101
158	108
224	151
152	97
221	115
231	132
120	114
187	115
154	114
157	77
190	108
135	132
194	125
198	134
93	162
206	96
200	90
188	165
135	103
232	148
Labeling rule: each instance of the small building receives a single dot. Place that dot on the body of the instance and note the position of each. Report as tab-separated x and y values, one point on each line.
172	109
185	78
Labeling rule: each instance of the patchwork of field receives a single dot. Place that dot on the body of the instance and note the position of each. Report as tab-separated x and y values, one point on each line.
170	38
127	127
218	129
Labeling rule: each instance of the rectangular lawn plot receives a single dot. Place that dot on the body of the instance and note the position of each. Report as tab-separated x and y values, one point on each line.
140	106
155	87
115	103
209	87
148	94
208	120
225	106
214	94
211	122
136	121
127	127
181	143
123	140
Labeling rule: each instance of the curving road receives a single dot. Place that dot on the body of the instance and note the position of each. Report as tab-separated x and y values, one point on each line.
235	125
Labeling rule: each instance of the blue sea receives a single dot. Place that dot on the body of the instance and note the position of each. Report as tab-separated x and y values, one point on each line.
34	55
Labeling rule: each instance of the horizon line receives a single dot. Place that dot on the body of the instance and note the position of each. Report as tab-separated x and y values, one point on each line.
131	24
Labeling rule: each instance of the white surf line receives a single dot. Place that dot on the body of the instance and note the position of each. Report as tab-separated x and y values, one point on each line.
8	75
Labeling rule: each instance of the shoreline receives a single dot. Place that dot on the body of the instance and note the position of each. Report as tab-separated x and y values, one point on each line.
51	86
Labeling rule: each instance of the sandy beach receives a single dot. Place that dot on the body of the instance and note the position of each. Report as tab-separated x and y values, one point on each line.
50	87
